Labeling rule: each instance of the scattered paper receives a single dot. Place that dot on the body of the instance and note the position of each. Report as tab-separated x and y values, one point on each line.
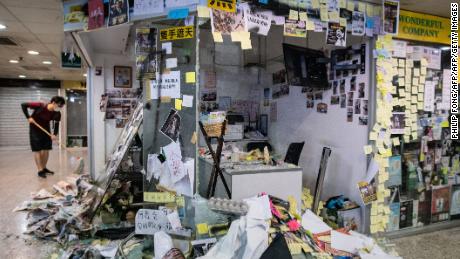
187	100
367	149
344	242
167	46
173	218
162	244
372	170
174	161
171	62
190	77
279	20
313	223
259	207
293	15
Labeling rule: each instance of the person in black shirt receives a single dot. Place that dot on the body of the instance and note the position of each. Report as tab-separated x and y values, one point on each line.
41	142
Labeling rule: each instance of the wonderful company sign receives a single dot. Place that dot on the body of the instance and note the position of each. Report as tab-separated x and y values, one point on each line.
423	27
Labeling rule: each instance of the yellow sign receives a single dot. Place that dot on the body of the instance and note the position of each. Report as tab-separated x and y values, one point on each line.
177	33
224	5
423	27
159	197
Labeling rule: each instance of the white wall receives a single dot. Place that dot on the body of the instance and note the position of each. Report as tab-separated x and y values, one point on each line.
347	164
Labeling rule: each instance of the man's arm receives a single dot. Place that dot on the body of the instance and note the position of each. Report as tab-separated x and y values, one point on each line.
56	120
31	105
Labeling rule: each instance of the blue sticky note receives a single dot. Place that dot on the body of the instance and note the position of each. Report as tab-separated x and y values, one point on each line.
263	1
370	23
181	13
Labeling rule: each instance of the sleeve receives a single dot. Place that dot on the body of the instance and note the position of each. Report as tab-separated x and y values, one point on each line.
31	105
56	120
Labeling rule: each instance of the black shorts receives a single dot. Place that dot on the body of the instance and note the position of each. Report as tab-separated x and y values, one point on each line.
39	140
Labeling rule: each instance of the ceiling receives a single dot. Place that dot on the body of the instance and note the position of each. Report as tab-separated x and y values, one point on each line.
34	25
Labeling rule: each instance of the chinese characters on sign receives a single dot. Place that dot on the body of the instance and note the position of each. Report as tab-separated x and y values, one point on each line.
224	5
177	33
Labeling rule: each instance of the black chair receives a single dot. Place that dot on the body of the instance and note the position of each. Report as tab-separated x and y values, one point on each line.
293	153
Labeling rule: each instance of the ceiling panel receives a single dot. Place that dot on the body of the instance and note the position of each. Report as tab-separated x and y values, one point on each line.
56	27
40	4
5	15
50	37
30	15
13	27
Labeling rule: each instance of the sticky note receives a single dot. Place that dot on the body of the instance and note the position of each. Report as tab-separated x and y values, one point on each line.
406	139
293	15
203	11
414	135
246	44
334	16
315	4
343	22
178	104
159	197
180	201
395	141
217	37
180	13
362	7
303	16
165	99
373	136
167	46
190	77
236	36
351	5
187	100
367	149
369	10
194	138
310	25
323	13
202	228
342	3
171	62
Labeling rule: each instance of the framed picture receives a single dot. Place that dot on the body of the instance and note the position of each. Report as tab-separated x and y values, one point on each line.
122	77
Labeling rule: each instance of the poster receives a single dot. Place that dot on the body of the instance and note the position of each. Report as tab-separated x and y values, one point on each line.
440	203
145	40
118	12
223	5
146	66
257	21
406	214
171	126
166	85
393	223
429	96
295	28
358	24
70	60
336	34
394	171
367	192
350	219
227	22
398	123
96	14
74	15
390	16
455	201
147	7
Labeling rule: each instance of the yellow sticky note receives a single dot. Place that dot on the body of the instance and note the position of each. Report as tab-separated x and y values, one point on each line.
373	136
190	77
369	10
303	16
351	5
395	141
194	138
310	25
293	15
342	3
178	104
159	197
414	135
236	36
203	11
165	99
444	124
217	37
367	149
246	44
323	13
334	16
202	228
406	139
180	201
362	7
343	22
315	4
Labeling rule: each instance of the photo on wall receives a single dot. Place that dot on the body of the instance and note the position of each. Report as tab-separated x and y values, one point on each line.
358	24
390	16
118	12
336	34
350	99
335	100
398	122
343	100
171	126
358	106
350	114
122	77
321	108
361	90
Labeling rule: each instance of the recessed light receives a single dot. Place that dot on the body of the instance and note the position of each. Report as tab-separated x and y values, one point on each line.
2	26
445	48
14	61
33	52
84	75
46	62
22	76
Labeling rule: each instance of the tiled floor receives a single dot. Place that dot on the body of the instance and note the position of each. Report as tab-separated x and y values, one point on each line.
18	178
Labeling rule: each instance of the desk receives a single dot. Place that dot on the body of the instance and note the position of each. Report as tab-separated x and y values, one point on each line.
247	179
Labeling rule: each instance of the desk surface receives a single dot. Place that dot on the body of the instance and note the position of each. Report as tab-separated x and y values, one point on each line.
252	167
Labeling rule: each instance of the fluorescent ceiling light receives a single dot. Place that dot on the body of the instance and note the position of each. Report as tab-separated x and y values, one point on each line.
2	27
46	62
14	61
22	76
33	52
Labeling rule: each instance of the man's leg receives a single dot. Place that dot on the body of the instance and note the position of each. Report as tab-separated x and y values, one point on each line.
45	156
38	160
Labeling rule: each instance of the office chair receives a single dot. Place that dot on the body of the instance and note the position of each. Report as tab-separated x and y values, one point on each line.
293	153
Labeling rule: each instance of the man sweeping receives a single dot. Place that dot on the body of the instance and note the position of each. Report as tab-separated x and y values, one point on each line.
40	134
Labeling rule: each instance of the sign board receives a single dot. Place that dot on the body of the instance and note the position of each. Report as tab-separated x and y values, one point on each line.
177	33
423	27
224	5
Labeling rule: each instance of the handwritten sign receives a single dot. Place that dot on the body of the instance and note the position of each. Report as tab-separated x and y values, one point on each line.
148	222
169	85
224	5
177	33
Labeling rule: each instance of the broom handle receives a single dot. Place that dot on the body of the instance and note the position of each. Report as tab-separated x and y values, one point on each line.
44	130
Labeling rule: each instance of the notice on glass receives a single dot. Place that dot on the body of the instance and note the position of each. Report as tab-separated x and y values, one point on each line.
165	85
